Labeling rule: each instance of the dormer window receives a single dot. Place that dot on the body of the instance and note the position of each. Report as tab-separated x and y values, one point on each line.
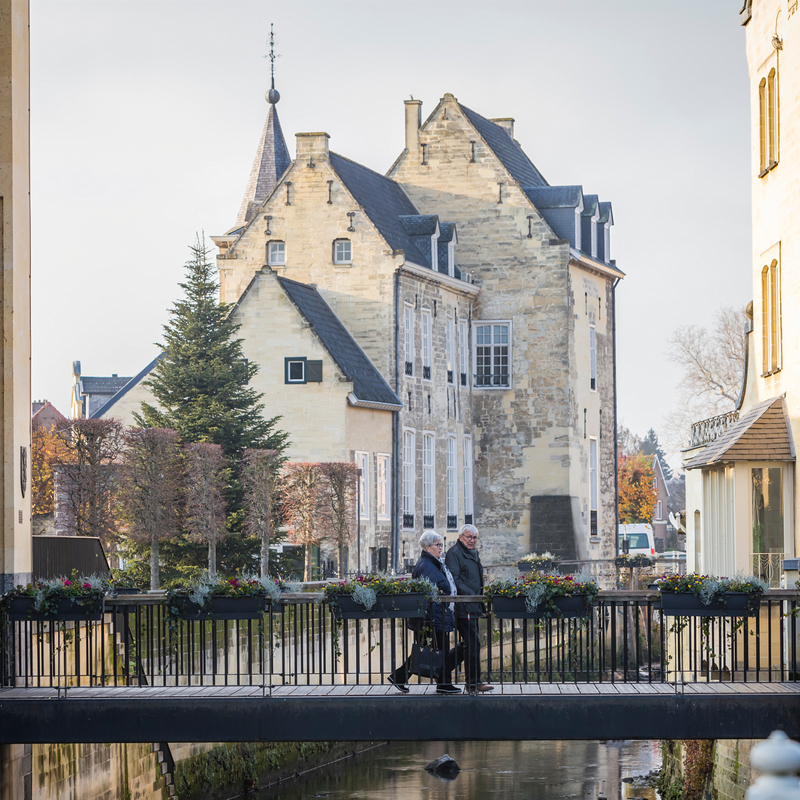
435	251
578	212
595	217
607	242
276	254
342	252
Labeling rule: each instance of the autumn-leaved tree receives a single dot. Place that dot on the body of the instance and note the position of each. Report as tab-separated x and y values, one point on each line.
303	488
86	464
44	447
260	476
637	495
150	485
337	514
205	501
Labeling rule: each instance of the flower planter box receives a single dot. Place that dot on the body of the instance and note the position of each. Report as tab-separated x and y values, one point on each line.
221	608
731	604
528	566
568	607
81	610
411	605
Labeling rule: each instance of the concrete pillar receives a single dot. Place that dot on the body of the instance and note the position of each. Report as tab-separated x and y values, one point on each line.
15	259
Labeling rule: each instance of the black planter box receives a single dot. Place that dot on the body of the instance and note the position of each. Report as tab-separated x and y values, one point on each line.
252	607
568	607
731	604
21	609
411	605
527	566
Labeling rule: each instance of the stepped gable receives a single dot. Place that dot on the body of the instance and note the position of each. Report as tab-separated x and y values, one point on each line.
368	384
506	149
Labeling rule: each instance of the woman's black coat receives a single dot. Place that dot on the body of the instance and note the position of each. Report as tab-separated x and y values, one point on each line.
431	568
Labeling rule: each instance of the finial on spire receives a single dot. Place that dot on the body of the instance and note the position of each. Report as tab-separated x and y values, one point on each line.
273	95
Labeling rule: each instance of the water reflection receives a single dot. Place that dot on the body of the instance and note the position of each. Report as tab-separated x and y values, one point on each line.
511	770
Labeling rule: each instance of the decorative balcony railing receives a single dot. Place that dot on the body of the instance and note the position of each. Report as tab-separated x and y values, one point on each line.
767	566
708	430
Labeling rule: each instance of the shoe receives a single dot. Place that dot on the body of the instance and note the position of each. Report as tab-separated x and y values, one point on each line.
401	686
447	688
481	688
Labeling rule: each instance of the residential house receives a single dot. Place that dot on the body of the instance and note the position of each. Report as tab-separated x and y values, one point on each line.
91	393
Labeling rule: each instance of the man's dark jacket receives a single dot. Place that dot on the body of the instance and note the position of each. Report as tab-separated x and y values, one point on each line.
465	564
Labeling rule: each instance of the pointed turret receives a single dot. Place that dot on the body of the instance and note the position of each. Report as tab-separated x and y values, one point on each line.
272	155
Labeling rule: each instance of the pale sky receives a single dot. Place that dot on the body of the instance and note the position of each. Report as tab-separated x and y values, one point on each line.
146	115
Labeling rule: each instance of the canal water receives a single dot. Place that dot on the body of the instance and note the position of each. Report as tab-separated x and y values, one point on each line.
508	770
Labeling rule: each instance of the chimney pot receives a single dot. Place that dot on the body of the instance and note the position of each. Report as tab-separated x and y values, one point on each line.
506	123
413	122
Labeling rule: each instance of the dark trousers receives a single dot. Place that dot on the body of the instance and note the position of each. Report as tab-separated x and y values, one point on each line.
467	626
437	640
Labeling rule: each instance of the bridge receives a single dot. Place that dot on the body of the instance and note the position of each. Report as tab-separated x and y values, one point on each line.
627	672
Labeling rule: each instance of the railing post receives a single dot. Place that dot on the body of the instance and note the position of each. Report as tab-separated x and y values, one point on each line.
779	759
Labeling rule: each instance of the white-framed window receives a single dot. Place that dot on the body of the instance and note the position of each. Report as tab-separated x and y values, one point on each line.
463	350
409	339
383	486
493	355
427	344
428	480
466	457
295	370
409	478
276	254
451	349
362	462
342	251
593	487
659	510
435	252
593	358
452	483
655	481
451	259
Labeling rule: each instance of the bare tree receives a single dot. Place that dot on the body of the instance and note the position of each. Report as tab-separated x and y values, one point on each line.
86	463
713	363
205	502
260	475
303	499
337	518
151	480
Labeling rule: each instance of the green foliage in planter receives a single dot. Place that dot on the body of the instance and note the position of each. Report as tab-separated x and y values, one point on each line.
544	560
709	588
539	589
202	590
365	588
83	591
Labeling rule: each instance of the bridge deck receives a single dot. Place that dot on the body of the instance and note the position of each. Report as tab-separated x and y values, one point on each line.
379	713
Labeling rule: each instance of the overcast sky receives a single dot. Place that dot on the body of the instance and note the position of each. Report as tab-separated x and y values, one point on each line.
145	118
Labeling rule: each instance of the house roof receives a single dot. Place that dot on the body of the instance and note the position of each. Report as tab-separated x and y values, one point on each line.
385	203
506	149
589	205
760	434
93	385
368	384
125	388
272	160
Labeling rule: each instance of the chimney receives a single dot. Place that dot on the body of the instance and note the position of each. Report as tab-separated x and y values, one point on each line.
413	122
506	123
312	147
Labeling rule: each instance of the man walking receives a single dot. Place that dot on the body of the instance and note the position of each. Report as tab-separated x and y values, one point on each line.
463	561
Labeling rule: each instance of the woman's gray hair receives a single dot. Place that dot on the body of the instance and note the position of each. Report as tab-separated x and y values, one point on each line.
429	538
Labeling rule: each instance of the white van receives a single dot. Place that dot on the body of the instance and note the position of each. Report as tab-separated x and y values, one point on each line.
639	539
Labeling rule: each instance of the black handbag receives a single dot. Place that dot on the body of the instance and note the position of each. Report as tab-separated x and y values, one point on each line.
427	662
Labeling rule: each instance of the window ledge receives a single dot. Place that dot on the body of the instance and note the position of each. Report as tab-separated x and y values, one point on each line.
767	169
343	264
771	372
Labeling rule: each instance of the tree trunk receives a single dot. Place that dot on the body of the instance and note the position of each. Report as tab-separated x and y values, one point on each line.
212	559
341	559
265	537
309	563
154	576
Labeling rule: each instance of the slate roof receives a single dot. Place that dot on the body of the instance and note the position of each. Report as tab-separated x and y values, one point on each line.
606	214
112	385
368	383
126	387
506	149
760	434
272	160
554	196
384	202
589	205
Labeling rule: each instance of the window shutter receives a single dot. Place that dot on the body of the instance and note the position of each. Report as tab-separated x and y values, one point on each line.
313	371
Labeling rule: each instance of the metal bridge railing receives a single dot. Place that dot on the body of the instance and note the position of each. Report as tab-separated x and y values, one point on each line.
626	639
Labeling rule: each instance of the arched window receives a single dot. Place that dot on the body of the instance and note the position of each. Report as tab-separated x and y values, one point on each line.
772	119
771	354
765	320
762	124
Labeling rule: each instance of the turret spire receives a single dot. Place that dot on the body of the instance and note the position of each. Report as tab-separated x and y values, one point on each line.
272	155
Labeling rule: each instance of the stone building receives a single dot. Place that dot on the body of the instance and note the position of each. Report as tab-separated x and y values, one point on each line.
481	299
90	394
741	486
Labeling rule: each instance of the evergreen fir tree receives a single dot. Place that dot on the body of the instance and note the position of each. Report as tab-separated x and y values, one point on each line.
650	446
201	384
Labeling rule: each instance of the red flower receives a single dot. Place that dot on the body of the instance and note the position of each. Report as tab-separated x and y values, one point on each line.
67	582
87	585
